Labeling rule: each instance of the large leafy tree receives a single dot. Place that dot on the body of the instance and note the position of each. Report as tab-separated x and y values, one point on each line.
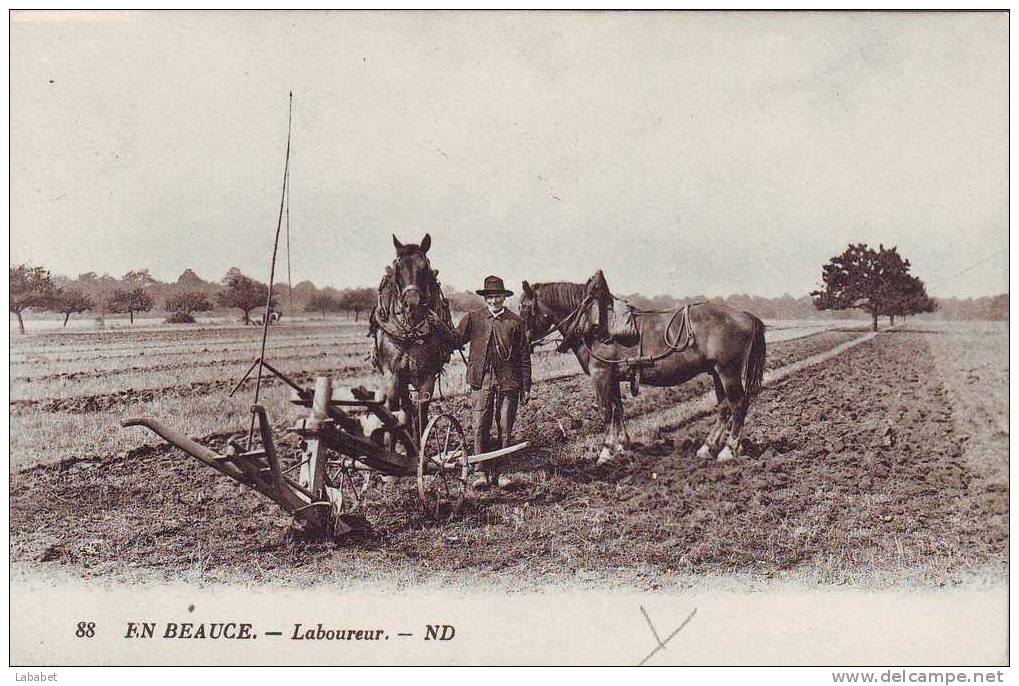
73	301
876	281
129	301
31	287
243	293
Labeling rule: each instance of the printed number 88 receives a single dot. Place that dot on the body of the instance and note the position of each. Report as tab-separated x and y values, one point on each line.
86	630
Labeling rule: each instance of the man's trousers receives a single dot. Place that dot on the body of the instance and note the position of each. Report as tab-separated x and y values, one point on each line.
489	402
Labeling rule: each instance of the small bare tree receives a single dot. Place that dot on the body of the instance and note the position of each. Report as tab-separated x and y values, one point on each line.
322	303
181	306
31	287
134	300
358	300
243	293
73	301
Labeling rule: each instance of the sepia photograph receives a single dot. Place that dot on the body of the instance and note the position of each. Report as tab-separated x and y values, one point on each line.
510	338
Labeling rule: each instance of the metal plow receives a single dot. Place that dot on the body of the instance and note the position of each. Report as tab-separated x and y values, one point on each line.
348	436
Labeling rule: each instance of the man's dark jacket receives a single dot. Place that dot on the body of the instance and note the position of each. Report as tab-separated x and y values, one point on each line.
510	357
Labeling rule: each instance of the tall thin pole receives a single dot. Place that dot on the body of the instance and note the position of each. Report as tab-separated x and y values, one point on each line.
290	280
272	267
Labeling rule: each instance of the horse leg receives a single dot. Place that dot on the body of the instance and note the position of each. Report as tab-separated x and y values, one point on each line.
392	392
425	390
602	377
622	435
396	391
714	437
739	403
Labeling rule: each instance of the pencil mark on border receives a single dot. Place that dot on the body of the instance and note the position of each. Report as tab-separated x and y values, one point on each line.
661	643
652	626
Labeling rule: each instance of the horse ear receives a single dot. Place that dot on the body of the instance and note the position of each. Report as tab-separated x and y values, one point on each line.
528	291
426	243
397	244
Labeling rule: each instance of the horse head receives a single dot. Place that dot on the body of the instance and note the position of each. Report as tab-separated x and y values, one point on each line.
413	273
605	321
601	319
598	306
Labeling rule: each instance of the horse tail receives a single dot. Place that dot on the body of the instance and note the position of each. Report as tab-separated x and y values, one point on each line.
753	369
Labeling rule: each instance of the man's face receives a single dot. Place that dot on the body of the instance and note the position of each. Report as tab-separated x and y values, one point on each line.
495	302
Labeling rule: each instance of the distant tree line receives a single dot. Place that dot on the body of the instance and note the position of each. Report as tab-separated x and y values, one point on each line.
861	282
34	288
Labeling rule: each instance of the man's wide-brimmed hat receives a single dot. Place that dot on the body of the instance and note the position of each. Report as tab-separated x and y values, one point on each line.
494	286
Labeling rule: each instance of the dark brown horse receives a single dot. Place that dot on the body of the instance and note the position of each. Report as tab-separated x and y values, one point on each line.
616	342
413	332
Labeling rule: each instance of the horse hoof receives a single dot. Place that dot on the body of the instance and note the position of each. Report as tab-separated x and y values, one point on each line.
705	451
726	454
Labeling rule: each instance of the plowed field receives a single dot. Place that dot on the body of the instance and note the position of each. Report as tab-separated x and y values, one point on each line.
856	472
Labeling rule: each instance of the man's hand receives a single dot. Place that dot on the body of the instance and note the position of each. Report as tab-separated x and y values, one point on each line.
524	397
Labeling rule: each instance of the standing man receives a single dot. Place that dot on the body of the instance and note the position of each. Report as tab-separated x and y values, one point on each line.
498	371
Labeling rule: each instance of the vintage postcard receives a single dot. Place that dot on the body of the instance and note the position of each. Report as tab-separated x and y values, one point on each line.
509	338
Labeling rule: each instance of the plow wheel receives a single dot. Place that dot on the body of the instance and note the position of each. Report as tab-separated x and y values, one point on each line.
442	467
354	487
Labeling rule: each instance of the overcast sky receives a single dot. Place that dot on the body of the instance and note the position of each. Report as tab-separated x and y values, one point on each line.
682	153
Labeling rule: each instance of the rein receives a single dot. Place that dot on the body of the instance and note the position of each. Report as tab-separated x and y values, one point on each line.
559	327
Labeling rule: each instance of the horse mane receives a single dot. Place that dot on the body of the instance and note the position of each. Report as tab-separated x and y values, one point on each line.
388	300
561	295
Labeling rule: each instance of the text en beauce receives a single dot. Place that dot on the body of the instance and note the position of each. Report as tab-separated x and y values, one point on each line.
201	630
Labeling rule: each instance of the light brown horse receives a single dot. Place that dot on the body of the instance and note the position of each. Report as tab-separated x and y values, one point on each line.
413	331
614	341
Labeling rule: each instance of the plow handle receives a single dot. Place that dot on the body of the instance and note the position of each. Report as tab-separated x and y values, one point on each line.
186	444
